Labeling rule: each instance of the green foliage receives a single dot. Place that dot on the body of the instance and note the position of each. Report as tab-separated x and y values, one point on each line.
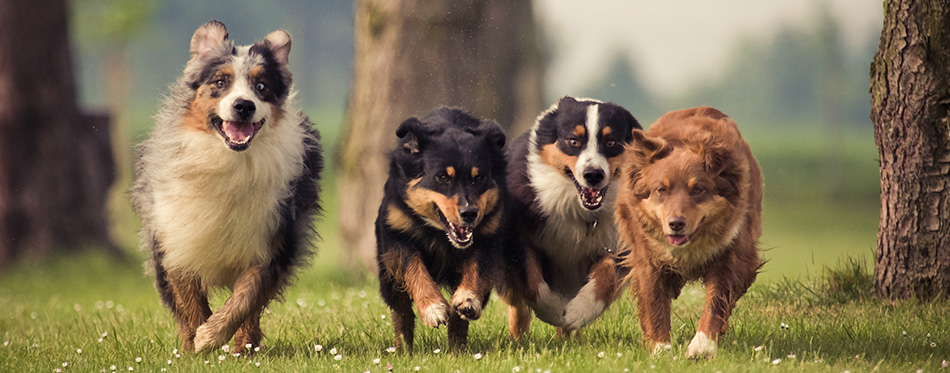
112	22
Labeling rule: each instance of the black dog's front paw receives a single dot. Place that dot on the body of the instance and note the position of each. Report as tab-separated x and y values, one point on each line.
467	305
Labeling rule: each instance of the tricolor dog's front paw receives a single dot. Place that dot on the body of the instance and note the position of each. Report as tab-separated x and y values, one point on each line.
584	308
435	314
467	305
701	347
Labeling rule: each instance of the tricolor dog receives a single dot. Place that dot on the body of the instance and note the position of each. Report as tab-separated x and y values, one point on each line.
562	183
227	187
440	222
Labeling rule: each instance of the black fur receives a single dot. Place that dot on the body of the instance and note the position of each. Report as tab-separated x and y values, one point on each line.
444	138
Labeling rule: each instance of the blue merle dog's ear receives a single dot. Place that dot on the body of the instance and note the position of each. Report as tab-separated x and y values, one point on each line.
411	134
279	44
208	39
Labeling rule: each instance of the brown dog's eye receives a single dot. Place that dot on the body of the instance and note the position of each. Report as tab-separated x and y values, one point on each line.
661	190
697	191
573	143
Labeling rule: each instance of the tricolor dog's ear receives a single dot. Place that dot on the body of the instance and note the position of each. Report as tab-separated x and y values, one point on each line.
208	38
644	150
411	134
279	44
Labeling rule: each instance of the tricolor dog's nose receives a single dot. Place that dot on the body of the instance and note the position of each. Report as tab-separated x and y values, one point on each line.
593	176
244	108
468	214
677	223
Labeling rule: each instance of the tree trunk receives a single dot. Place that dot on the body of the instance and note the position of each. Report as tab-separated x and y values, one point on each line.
412	56
910	93
55	162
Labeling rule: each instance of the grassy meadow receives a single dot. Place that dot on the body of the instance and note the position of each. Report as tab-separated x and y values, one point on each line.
810	310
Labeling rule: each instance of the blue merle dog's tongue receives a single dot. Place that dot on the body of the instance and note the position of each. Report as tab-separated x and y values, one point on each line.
239	132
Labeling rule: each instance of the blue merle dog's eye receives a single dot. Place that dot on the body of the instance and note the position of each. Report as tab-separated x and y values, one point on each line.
260	86
219	83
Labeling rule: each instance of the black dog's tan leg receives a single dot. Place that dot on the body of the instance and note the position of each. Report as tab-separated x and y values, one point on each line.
249	335
251	292
404	321
191	307
458	332
467	298
433	309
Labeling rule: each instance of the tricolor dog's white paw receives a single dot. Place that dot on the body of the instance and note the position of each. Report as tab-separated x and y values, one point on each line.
207	338
550	305
701	347
435	314
467	305
661	347
584	308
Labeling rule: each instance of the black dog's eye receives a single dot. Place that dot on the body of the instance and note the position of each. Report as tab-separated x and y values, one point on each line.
478	179
260	87
443	178
573	143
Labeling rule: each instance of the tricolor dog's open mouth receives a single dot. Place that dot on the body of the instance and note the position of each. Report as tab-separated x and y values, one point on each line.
591	198
459	235
237	135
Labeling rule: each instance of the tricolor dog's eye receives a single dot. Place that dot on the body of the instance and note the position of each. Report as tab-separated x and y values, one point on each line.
260	87
573	143
610	143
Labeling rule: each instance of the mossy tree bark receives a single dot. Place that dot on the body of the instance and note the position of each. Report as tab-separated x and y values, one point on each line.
412	56
910	92
55	162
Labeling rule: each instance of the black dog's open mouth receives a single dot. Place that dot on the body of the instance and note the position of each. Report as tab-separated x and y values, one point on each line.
459	235
591	198
237	135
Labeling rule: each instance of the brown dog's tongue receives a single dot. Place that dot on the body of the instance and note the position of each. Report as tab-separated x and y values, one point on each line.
238	131
677	239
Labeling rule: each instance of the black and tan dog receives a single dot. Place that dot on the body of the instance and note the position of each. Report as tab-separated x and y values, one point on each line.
562	184
439	224
227	187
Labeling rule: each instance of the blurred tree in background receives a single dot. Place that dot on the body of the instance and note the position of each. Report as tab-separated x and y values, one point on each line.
412	56
55	161
910	95
108	27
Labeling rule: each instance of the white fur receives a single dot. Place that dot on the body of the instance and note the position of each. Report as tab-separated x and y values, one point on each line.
701	347
590	157
215	210
659	347
584	308
435	314
207	339
241	88
462	296
550	305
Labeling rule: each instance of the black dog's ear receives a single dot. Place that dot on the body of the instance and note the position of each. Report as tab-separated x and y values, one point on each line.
410	133
493	135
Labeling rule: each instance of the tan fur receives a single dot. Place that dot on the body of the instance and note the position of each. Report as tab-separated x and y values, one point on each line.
580	130
398	220
554	157
691	164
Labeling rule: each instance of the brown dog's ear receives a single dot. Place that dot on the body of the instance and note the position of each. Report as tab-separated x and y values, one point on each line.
644	150
720	161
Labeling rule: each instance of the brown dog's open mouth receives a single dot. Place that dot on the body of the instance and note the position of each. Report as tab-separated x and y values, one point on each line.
591	198
238	135
459	235
677	239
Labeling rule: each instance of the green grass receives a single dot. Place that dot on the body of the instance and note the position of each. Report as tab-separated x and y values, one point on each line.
113	315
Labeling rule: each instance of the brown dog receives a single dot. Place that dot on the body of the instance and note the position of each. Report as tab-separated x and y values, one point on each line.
690	208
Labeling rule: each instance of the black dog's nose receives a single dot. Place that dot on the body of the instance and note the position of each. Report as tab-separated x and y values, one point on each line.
677	223
468	214
244	108
593	176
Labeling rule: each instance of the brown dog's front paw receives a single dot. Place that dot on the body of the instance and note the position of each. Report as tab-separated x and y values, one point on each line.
467	305
207	338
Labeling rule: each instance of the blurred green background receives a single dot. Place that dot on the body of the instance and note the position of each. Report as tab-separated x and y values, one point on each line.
794	76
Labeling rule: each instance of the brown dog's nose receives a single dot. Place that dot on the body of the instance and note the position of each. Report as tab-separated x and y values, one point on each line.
677	223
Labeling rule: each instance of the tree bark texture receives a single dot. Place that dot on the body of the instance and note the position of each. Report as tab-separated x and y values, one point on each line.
910	93
415	55
55	162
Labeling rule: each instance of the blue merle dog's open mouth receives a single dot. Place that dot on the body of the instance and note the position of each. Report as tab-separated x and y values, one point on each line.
459	235
237	135
591	198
